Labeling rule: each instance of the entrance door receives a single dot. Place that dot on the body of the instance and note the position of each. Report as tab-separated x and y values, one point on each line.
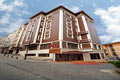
80	56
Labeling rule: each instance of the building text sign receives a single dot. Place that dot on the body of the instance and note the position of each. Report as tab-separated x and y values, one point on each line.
58	50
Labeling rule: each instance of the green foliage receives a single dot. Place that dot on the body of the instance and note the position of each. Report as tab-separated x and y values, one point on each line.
116	63
105	50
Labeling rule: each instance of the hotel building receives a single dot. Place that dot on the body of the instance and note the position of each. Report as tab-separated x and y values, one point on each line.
61	35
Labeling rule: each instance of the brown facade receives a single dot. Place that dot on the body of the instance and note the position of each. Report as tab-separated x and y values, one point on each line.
65	31
45	32
84	37
93	32
54	28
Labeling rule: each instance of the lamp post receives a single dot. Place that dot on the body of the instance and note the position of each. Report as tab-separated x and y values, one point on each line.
27	49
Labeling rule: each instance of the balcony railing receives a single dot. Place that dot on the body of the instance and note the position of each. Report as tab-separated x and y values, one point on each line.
84	41
82	32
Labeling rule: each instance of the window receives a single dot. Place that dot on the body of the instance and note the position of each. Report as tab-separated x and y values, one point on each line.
72	46
40	30
99	46
42	23
49	17
44	46
67	15
30	33
48	29
95	47
38	38
69	28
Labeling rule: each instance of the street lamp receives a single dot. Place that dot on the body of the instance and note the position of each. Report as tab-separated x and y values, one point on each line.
27	48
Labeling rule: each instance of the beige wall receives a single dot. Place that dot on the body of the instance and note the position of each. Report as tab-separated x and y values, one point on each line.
115	46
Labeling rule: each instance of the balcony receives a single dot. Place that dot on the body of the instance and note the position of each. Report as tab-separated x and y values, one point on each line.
84	41
82	32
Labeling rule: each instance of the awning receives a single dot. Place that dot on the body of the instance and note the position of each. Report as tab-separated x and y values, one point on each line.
73	52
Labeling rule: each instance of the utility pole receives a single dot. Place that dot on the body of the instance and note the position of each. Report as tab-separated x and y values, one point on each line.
27	47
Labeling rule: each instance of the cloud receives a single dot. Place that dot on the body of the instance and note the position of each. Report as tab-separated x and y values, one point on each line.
111	22
13	25
12	17
75	8
19	3
111	1
5	19
72	8
13	5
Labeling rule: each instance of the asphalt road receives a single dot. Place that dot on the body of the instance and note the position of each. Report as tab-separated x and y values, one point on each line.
12	69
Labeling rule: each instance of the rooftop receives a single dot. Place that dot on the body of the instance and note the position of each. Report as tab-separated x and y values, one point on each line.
45	13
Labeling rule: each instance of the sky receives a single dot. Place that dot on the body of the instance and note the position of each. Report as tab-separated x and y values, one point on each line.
106	14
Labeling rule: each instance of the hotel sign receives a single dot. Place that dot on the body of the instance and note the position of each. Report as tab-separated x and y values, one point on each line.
58	50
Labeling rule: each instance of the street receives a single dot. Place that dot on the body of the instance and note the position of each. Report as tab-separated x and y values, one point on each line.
13	69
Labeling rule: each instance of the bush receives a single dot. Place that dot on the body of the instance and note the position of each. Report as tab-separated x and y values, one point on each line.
116	63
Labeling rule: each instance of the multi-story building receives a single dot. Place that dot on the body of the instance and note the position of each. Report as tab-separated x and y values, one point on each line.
6	42
15	47
112	49
61	35
9	43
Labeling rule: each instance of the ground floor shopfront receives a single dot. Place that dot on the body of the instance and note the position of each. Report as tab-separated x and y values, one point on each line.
69	57
66	55
79	57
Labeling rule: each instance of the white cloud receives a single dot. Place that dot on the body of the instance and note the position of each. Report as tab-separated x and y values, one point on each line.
111	21
14	7
12	14
18	3
5	19
75	8
5	7
13	25
111	0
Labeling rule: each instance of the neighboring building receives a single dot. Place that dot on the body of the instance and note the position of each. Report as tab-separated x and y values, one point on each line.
6	42
15	47
61	35
112	49
9	43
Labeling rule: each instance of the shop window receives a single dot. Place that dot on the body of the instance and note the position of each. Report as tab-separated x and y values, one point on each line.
44	46
30	54
72	46
58	57
43	55
66	57
72	56
95	56
32	47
